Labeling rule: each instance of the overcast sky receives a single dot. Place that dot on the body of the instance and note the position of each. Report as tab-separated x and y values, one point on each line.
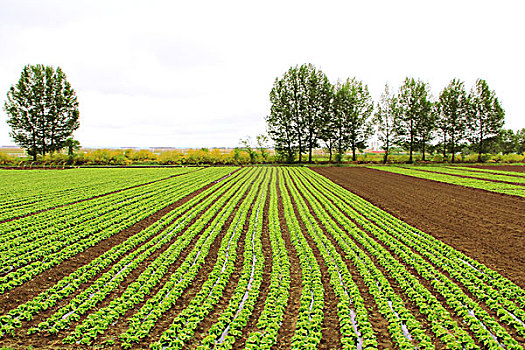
198	73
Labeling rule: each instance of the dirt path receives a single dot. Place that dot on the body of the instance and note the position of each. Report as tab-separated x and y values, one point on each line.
487	226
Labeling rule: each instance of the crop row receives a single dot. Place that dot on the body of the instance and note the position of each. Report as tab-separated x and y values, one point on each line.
428	293
500	187
60	242
428	256
124	257
184	325
34	191
491	171
464	171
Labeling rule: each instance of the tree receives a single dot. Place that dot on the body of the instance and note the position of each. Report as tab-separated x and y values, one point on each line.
262	141
413	116
384	120
507	141
353	107
281	123
486	116
300	105
452	113
71	145
520	140
247	145
42	109
329	127
316	111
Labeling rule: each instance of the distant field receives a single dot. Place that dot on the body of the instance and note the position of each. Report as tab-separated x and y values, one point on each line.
259	258
508	181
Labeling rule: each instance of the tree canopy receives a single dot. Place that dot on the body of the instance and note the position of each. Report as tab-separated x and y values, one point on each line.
42	110
307	108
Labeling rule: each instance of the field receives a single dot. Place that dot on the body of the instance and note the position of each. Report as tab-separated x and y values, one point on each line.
495	180
260	258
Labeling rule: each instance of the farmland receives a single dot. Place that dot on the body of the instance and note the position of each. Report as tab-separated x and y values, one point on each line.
259	258
500	181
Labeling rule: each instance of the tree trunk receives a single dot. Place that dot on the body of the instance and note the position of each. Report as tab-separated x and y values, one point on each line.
330	153
300	151
423	149
480	146
411	141
444	145
353	153
34	146
453	148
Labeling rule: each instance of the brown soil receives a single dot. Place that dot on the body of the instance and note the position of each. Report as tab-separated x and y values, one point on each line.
484	225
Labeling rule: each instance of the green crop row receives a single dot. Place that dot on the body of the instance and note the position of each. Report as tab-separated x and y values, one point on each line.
468	172
378	224
25	192
22	264
429	294
500	187
186	322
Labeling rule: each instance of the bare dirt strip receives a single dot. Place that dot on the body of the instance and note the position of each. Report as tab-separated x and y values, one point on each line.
486	226
516	168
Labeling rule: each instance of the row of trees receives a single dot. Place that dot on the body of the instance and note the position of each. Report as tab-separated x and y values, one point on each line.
308	111
43	110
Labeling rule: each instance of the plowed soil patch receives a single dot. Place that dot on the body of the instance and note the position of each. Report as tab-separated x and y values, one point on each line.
486	226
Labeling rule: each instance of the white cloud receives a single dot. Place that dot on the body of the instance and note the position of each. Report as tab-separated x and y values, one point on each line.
191	74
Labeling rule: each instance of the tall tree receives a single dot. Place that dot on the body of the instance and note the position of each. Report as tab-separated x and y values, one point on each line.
507	141
281	121
413	116
520	141
72	145
42	109
452	110
353	107
329	127
384	121
262	141
300	105
486	116
316	110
